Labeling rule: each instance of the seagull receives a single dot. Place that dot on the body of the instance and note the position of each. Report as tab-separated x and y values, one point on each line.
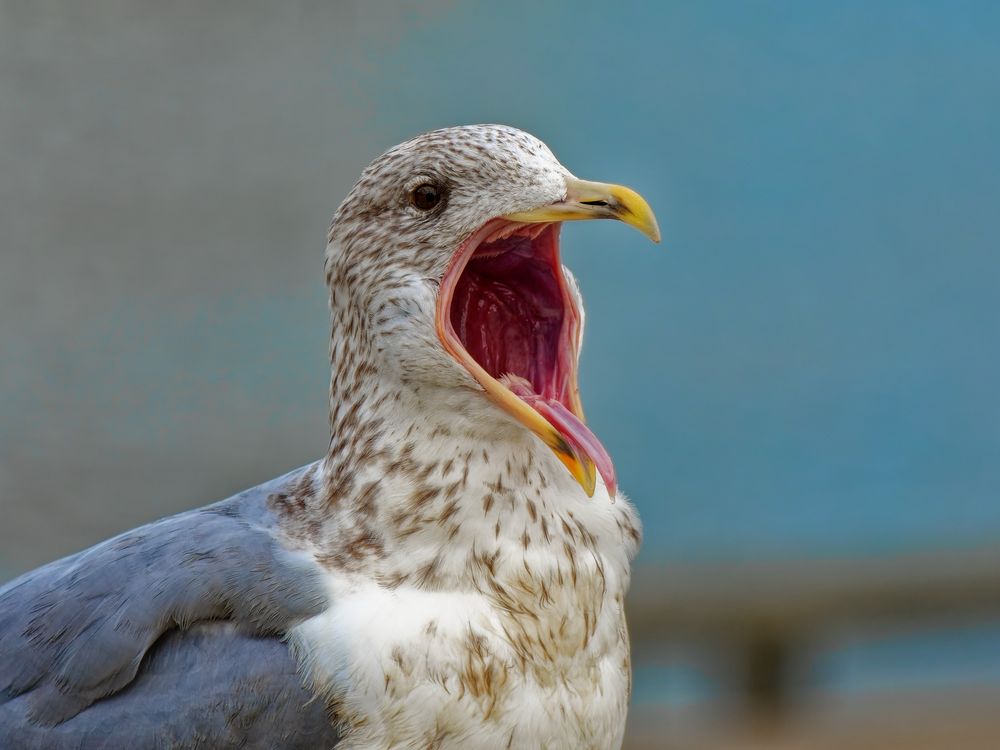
451	574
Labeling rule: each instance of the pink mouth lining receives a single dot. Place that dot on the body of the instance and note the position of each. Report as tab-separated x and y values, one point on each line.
511	310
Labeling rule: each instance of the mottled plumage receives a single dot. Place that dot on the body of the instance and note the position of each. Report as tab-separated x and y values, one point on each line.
440	579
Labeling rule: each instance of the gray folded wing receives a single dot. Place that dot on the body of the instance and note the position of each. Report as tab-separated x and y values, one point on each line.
165	636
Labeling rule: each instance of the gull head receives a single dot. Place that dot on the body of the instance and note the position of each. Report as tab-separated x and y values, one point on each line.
444	264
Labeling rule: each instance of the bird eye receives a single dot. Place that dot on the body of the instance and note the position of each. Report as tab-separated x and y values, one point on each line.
426	196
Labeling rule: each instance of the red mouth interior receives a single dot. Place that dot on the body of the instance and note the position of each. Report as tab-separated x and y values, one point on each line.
511	311
512	315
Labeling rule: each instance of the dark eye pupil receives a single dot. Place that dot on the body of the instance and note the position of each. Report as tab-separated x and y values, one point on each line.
426	197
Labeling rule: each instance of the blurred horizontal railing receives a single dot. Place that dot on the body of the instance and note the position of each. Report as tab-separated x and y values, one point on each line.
767	613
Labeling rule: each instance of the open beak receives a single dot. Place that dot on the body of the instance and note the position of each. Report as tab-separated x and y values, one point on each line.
595	200
584	200
506	314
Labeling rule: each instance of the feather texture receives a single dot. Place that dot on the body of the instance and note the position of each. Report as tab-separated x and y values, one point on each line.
114	623
438	580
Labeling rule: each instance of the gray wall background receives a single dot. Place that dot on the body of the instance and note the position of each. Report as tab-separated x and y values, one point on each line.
806	368
167	175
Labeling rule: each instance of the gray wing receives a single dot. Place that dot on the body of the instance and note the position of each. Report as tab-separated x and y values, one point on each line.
165	636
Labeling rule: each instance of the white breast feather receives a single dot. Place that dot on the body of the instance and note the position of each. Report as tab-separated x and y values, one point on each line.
408	668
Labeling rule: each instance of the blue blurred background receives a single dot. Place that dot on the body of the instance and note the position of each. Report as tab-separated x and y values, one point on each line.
801	378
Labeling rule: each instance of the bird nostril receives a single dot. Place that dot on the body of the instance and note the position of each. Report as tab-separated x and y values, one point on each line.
595	203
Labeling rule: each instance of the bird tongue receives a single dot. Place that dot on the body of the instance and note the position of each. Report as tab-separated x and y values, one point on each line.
569	425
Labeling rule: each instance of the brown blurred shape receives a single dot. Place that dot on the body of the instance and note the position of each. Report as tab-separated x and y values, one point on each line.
768	616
